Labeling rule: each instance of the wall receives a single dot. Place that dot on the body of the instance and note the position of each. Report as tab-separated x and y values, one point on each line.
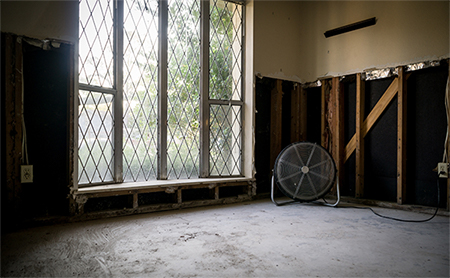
289	40
41	19
278	39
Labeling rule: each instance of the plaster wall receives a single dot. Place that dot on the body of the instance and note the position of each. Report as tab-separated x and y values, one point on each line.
289	40
41	19
278	39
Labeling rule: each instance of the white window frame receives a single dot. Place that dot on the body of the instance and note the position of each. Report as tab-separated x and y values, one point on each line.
247	101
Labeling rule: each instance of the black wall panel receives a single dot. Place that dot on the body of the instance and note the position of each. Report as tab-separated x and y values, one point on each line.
46	93
426	131
348	188
314	114
262	134
381	146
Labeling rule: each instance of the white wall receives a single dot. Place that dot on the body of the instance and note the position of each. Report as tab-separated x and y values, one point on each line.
289	40
278	39
41	19
288	35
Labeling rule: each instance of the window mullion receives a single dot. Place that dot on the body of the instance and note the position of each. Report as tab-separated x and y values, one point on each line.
162	96
118	101
204	89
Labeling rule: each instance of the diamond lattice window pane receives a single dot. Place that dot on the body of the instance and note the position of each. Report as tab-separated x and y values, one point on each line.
225	140
95	137
225	51
140	91
96	43
183	89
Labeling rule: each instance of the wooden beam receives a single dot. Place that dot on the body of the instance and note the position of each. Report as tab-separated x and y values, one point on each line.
216	193
359	167
323	138
373	116
295	113
179	196
135	200
73	150
401	137
11	174
338	122
448	142
275	121
13	120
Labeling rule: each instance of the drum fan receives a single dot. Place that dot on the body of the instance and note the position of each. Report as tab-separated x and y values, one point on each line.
304	172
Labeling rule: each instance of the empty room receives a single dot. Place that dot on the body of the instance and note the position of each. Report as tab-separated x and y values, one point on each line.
225	138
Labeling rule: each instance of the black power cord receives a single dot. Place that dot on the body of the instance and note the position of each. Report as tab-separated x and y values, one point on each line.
405	220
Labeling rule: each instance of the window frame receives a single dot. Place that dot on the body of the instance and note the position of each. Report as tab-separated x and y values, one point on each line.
205	101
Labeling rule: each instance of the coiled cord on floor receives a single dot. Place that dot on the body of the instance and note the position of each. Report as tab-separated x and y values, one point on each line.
404	220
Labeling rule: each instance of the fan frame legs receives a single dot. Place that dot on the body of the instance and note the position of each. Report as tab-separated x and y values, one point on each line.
338	194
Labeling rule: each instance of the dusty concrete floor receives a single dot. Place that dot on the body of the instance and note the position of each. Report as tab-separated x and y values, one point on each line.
254	239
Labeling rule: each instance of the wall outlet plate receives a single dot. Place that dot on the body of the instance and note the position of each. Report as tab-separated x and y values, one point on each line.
443	170
26	173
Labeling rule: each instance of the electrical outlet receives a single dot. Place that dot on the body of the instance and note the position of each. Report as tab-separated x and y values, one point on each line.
443	170
26	173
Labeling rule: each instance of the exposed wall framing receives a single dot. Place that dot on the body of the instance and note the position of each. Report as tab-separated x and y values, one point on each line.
13	119
217	194
366	117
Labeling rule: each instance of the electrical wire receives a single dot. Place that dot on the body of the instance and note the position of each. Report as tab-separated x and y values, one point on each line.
25	160
404	220
445	157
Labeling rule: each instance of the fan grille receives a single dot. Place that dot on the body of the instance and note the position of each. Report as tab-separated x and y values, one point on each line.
304	171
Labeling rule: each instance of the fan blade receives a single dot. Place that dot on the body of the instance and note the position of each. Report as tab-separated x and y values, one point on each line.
298	186
318	175
288	177
312	186
290	163
320	163
310	156
299	156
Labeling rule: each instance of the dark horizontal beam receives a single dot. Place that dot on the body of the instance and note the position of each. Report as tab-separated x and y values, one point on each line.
351	27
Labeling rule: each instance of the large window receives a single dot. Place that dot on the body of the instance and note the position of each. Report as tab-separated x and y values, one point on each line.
160	90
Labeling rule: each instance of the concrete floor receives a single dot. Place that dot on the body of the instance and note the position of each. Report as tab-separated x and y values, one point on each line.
253	239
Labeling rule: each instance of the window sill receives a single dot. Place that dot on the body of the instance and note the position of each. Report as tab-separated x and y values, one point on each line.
159	184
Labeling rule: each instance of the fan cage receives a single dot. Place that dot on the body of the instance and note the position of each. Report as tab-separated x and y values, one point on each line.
301	183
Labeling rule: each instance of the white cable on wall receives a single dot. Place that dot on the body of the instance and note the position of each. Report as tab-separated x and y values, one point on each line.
445	157
24	130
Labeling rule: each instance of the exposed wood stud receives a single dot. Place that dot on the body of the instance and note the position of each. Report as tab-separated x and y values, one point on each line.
338	122
18	119
10	131
135	200
275	121
179	196
13	120
448	147
73	177
401	137
359	167
323	113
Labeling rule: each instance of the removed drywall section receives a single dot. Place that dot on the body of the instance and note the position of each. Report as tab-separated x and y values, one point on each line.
41	19
406	32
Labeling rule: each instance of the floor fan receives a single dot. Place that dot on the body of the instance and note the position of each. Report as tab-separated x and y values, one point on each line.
304	172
